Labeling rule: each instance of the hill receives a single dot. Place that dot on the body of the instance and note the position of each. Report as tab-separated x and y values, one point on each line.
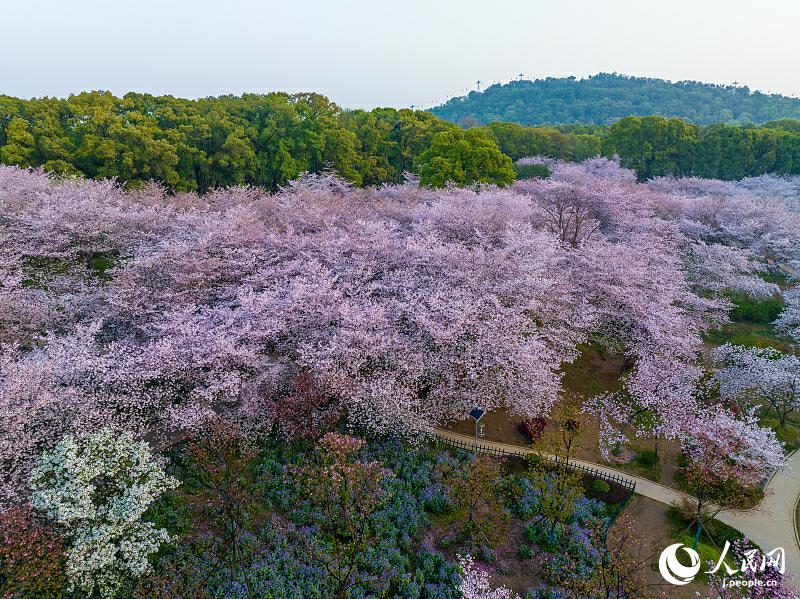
605	98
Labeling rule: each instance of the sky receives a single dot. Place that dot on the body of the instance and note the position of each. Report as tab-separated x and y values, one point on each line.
367	53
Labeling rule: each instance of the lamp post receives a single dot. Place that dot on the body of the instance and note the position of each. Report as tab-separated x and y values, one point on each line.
476	414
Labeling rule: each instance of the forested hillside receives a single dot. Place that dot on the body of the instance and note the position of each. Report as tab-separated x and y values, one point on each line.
605	98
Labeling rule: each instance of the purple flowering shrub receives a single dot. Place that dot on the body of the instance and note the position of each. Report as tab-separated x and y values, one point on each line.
566	549
274	561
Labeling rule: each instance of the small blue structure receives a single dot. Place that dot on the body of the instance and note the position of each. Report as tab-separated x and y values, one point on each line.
476	414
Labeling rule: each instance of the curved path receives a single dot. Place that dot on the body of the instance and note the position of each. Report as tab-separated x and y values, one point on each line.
770	524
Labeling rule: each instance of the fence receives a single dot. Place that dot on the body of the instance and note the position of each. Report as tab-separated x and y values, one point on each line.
499	452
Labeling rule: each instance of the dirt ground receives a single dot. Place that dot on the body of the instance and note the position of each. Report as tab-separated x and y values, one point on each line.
650	521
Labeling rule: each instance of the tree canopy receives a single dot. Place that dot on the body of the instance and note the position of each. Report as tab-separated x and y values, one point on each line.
463	158
197	145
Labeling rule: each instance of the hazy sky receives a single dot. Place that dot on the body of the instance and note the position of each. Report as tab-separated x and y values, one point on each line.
365	53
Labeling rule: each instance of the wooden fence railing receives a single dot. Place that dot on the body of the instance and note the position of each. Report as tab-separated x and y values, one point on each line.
500	452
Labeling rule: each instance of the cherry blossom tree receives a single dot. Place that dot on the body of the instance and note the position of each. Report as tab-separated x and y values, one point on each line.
761	376
406	306
566	211
760	214
788	322
726	453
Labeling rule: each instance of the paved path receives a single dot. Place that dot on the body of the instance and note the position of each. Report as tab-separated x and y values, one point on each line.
770	524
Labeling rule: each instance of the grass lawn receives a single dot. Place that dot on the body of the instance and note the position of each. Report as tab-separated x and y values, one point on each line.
643	464
779	278
594	372
788	435
748	334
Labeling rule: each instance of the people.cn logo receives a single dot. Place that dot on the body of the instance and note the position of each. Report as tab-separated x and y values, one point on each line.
752	561
674	571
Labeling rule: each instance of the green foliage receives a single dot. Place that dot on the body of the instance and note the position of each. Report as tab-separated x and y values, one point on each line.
652	146
646	458
518	142
712	538
531	171
479	505
303	520
759	311
525	551
264	140
789	434
655	146
268	140
464	158
605	98
784	125
600	486
747	334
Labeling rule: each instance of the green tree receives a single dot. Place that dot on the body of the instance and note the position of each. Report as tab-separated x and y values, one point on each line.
479	507
464	158
559	485
20	146
652	146
348	493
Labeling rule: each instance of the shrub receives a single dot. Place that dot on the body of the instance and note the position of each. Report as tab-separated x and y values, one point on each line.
433	578
98	488
532	428
447	542
647	458
31	556
487	554
600	486
525	552
436	500
531	533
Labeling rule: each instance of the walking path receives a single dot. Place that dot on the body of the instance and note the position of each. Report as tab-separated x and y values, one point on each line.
770	524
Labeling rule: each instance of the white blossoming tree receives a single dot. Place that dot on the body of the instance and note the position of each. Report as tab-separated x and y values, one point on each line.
98	488
761	376
788	322
475	583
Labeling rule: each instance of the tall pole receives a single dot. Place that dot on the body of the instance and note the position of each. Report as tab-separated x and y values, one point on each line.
476	413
